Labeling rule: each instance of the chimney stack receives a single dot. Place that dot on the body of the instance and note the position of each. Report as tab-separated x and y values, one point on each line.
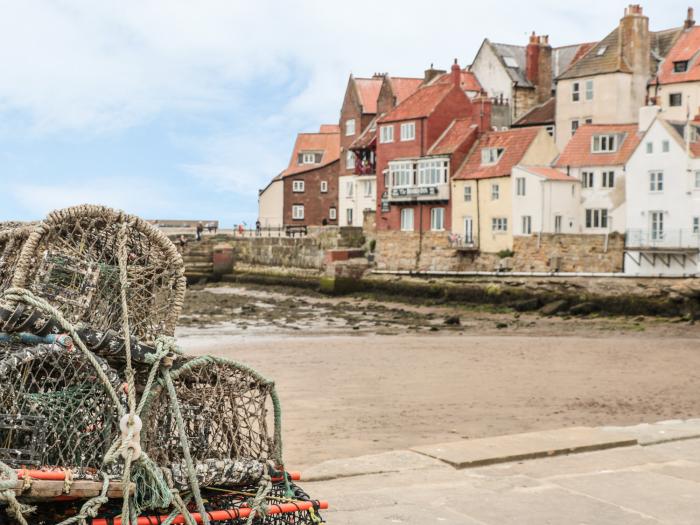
431	73
538	66
456	74
689	21
482	107
635	41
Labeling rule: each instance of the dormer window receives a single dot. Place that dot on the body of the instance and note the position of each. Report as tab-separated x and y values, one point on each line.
680	67
491	155
309	157
601	51
604	143
510	61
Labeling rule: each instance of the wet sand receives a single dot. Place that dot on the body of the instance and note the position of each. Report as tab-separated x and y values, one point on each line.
402	379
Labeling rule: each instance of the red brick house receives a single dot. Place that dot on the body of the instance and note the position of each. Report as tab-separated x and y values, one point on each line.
310	194
418	144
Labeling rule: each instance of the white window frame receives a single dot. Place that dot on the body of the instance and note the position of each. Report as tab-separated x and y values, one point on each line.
696	184
696	225
333	213
401	173
499	224
350	127
490	156
656	225
589	89
656	181
298	186
596	218
495	191
408	131
349	189
557	223
650	148
350	160
386	134
308	158
298	212
467	193
437	219
324	186
587	179
520	186
406	219
665	146
608	179
605	143
432	172
349	215
574	126
526	224
368	186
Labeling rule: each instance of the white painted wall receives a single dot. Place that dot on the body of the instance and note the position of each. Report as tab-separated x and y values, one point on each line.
611	199
352	195
690	92
491	74
543	200
271	205
679	201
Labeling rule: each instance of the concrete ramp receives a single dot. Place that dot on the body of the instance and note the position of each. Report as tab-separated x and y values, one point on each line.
515	447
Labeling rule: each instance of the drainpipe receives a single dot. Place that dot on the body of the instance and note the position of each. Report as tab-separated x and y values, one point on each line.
478	218
420	235
539	234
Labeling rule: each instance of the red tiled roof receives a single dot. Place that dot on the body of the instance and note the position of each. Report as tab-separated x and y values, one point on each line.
456	134
326	143
687	47
468	80
578	151
421	104
549	173
404	87
368	91
515	142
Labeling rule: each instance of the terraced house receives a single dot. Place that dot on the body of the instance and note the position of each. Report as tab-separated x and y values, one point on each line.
419	144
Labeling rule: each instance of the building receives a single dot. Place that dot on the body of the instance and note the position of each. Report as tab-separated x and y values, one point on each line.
596	155
310	182
545	200
271	204
676	86
482	202
663	199
608	84
542	115
519	78
419	144
364	100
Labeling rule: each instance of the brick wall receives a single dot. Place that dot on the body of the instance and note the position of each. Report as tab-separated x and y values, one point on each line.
568	253
316	204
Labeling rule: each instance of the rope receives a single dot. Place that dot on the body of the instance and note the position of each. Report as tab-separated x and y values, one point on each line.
7	494
258	507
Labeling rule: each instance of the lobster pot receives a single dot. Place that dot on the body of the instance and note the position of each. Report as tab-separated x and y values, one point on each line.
225	409
11	242
55	412
73	258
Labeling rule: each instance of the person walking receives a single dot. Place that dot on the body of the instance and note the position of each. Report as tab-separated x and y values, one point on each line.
258	228
199	230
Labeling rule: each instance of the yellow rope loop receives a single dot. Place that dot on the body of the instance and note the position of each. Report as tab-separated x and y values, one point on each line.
68	481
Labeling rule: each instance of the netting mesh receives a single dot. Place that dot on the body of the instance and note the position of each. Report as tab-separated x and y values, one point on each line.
116	286
72	260
53	410
224	407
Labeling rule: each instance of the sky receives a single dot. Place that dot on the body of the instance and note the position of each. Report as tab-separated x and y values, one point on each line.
184	109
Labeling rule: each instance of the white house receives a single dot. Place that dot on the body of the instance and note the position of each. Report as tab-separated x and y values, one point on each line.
596	155
356	193
663	201
545	200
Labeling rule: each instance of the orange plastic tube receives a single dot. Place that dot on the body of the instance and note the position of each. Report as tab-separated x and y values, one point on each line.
220	515
57	475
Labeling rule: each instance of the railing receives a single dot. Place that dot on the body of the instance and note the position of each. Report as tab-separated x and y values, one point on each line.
459	242
273	231
669	239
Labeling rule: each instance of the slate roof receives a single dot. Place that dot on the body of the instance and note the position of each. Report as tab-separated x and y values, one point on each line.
459	131
515	143
368	93
562	58
420	104
549	173
326	143
577	152
541	115
687	47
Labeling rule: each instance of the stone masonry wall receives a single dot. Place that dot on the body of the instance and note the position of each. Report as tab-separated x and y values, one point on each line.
568	253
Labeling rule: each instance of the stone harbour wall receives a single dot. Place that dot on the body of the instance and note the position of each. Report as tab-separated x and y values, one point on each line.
569	253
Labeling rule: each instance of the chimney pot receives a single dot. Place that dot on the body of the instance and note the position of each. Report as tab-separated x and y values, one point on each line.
456	74
689	21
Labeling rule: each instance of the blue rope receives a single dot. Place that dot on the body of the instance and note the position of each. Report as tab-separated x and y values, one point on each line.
61	339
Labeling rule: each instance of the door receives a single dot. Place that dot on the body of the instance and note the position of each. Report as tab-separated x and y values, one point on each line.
657	225
468	231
